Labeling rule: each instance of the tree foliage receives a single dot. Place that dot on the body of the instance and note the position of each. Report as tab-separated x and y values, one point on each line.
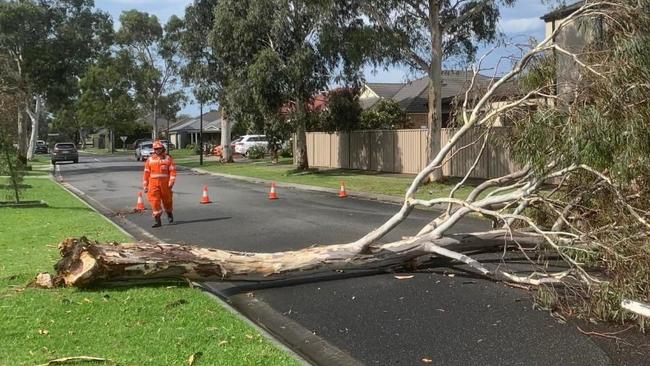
603	122
343	111
386	114
44	47
274	55
155	50
106	99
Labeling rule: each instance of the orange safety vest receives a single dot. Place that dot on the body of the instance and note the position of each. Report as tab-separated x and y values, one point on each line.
159	168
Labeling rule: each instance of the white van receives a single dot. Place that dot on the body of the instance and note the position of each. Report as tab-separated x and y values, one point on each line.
247	141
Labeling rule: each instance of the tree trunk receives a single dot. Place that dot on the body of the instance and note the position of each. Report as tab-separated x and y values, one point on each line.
226	151
434	115
82	137
301	137
155	120
22	138
13	176
86	263
34	116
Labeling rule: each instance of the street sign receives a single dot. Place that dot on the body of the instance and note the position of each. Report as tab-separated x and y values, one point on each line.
123	138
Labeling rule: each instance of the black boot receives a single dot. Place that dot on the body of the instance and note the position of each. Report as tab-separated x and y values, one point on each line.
170	217
157	222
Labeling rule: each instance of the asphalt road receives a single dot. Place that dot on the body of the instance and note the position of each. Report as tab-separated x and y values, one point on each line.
376	319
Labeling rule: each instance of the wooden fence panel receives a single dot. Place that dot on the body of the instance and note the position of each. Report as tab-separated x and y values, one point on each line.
382	151
360	150
405	151
407	155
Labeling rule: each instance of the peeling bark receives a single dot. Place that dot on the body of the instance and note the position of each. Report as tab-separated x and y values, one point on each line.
86	263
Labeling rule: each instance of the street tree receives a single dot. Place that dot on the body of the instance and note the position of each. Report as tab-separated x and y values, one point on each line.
422	34
155	51
106	98
10	164
45	46
274	56
594	222
200	70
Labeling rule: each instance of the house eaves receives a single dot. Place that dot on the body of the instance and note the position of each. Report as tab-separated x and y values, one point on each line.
562	12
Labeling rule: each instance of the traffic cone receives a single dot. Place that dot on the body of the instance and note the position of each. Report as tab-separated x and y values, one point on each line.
205	199
140	205
342	193
273	195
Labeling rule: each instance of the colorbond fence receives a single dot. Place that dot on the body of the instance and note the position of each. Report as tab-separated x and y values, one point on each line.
404	151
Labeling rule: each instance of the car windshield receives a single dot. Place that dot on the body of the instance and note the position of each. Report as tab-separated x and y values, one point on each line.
147	146
65	146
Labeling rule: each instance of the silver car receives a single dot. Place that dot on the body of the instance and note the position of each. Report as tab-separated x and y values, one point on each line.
144	151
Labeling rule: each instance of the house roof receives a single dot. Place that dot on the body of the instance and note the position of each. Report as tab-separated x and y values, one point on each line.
562	12
385	90
211	123
413	96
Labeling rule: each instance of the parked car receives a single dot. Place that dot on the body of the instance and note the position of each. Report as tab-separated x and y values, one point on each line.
65	151
41	147
137	143
144	151
248	141
217	151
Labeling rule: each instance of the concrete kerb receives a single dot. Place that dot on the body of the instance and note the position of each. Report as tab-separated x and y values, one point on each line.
362	195
309	346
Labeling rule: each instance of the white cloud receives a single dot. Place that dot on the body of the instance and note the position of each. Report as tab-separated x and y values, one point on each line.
521	25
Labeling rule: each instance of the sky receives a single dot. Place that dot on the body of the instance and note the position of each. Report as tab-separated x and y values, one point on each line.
519	23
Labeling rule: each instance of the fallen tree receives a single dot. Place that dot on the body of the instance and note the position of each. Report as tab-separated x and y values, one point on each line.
592	218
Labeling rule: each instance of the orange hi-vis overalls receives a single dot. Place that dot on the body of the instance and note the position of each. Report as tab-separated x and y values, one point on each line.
159	178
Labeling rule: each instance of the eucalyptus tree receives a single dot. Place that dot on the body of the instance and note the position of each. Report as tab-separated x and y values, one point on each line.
273	56
422	34
106	98
155	50
45	46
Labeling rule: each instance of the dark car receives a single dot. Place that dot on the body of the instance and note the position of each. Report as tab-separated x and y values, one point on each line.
65	151
41	147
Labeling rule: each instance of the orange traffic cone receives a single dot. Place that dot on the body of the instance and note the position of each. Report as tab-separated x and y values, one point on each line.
205	199
273	195
342	192
140	205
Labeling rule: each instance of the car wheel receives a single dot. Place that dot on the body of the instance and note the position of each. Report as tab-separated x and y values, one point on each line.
76	161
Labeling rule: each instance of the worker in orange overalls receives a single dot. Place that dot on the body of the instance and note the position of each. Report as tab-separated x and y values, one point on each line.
159	178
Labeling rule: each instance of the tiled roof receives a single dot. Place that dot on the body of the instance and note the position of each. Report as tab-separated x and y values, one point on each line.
211	123
414	95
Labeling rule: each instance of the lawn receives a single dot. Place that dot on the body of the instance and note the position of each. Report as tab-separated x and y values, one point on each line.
355	180
153	325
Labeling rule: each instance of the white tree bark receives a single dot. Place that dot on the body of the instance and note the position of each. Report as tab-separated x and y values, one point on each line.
34	116
225	138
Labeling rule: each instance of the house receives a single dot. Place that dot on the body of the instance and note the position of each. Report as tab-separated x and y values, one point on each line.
573	38
413	96
187	131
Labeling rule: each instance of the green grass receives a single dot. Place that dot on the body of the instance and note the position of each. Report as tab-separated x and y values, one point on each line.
154	325
183	153
355	180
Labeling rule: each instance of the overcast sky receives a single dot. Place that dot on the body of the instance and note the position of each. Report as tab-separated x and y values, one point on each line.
520	23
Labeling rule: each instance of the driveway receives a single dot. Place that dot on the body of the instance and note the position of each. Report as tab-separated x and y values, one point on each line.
444	315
